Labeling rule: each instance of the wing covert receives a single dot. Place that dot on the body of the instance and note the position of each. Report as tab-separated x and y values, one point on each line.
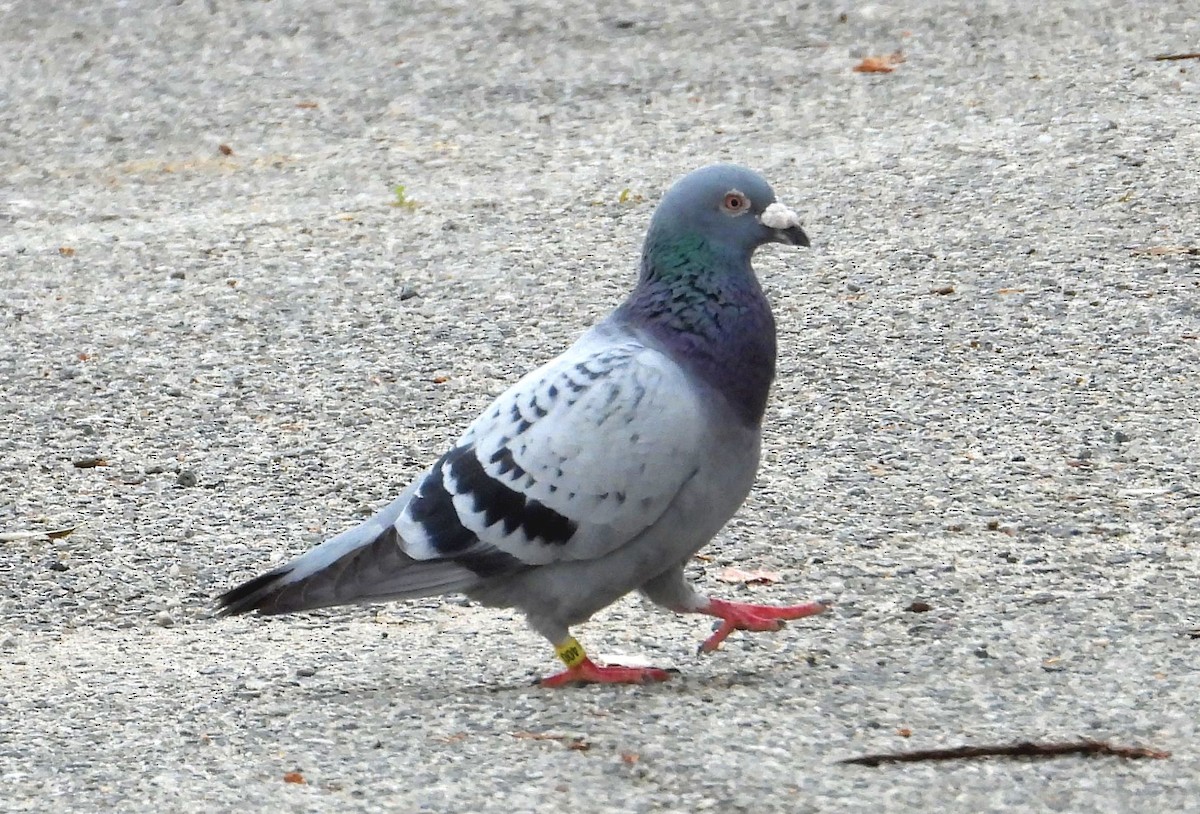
571	462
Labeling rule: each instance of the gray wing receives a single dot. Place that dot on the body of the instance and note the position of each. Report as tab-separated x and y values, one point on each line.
570	463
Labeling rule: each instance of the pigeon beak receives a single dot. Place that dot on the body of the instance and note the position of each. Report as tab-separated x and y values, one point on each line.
793	236
784	225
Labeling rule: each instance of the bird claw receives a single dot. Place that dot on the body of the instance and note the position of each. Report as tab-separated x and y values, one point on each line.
756	618
588	672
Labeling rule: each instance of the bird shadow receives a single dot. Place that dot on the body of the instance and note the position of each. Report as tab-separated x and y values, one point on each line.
434	688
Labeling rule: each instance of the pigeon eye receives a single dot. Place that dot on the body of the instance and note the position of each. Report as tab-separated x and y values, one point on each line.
735	203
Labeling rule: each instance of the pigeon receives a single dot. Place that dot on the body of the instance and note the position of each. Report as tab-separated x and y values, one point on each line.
604	470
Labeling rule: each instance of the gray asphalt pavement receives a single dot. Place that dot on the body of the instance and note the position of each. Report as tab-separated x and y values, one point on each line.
225	334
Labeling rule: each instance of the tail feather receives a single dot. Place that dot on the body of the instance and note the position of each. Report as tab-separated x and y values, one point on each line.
367	564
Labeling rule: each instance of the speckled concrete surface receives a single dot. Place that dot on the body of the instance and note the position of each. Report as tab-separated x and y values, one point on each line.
986	402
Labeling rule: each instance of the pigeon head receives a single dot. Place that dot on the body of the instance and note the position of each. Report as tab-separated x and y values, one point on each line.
697	294
730	209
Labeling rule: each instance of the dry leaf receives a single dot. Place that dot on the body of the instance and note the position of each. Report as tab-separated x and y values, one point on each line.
884	64
873	65
224	149
737	575
294	777
630	758
66	251
306	105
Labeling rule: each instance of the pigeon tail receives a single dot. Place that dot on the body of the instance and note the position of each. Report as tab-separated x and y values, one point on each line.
348	569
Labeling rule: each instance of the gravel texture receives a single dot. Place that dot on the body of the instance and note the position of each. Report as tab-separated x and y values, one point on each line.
221	341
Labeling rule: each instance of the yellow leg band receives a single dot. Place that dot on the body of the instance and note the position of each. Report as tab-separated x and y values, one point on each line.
571	652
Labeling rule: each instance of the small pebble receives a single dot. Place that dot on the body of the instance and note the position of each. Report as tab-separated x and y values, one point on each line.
164	619
186	478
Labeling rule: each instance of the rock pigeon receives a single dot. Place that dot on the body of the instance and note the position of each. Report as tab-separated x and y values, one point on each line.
604	470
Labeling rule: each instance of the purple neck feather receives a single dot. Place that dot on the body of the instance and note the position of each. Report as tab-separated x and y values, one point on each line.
710	313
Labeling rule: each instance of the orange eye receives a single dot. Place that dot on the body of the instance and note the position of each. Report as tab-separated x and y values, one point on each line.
735	203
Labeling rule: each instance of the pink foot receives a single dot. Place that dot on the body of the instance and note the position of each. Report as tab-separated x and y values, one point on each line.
740	616
588	672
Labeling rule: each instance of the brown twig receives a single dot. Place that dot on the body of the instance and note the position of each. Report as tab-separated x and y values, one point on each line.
1160	251
1023	749
1173	57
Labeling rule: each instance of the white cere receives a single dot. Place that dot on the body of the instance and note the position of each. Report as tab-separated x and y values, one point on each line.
778	216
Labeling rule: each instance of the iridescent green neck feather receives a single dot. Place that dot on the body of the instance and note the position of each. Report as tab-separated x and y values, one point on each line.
701	300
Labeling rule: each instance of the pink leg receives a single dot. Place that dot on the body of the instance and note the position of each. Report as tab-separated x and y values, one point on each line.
740	616
588	672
